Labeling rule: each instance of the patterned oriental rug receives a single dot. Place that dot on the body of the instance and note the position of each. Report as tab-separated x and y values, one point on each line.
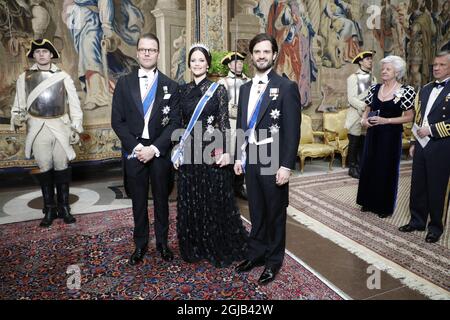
38	263
326	203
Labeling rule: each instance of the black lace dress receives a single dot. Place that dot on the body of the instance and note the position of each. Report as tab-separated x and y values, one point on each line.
208	220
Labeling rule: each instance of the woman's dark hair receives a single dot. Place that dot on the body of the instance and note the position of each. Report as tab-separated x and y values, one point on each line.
202	50
263	37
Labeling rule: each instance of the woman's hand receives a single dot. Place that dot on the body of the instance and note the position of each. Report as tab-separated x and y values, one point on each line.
375	121
223	159
176	165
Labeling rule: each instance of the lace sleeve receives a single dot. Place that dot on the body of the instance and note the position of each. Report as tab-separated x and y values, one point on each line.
223	117
370	94
223	121
182	90
408	97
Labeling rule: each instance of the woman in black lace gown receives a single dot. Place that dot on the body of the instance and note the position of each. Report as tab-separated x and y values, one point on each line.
209	225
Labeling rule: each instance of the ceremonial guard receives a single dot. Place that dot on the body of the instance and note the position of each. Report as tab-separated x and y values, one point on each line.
46	101
358	85
232	82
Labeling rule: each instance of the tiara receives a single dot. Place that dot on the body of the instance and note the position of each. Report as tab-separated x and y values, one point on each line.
199	45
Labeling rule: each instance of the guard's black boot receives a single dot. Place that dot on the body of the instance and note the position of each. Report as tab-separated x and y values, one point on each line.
353	172
359	152
352	156
48	196
62	179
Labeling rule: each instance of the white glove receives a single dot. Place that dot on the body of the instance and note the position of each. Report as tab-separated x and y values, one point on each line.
18	121
74	138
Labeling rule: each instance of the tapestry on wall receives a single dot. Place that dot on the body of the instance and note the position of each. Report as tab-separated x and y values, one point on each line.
318	39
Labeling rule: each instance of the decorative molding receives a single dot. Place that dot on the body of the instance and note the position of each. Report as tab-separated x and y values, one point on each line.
214	26
169	25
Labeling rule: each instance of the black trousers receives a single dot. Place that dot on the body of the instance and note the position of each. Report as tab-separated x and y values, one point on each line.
160	173
238	182
355	149
430	185
267	205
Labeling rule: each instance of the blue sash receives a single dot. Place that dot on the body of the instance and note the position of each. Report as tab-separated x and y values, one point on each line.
251	127
146	106
150	97
178	155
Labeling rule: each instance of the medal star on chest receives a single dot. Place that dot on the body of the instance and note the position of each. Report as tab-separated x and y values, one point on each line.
166	110
275	114
165	121
275	128
210	129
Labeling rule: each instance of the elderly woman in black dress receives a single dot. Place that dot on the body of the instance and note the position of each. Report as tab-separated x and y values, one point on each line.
209	225
389	105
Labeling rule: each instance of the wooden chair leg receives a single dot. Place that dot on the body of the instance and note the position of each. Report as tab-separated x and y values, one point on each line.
302	164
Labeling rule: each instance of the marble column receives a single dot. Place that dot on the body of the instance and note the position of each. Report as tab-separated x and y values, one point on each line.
170	22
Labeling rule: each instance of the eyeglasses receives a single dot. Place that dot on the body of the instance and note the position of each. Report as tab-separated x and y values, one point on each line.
150	51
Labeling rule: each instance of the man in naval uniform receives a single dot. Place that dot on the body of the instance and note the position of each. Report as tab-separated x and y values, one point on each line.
46	101
232	82
358	84
430	179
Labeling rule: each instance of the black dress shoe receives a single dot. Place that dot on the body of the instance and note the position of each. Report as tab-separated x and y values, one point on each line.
166	254
432	237
137	256
248	265
268	275
409	228
383	216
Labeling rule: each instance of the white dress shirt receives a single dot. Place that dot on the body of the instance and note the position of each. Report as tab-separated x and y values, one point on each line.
431	100
259	84
145	82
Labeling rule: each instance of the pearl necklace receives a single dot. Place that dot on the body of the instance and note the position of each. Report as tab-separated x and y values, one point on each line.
389	92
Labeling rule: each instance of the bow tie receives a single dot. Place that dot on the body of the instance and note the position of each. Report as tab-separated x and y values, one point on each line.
144	74
258	81
439	85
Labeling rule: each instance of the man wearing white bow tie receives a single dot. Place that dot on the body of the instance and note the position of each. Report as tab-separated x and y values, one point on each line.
144	115
430	182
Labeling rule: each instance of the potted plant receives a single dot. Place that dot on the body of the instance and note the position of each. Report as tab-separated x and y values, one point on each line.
217	70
